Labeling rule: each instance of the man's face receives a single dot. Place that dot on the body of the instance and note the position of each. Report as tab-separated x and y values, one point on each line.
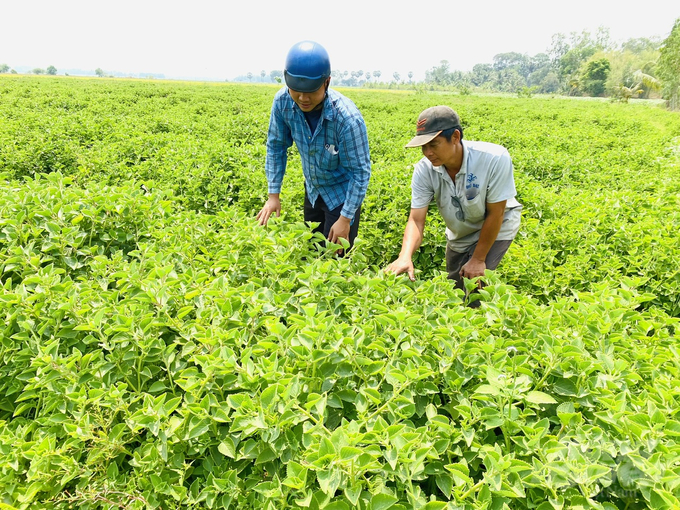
307	101
440	151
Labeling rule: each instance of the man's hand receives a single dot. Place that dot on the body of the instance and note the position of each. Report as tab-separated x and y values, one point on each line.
273	205
402	265
473	268
339	229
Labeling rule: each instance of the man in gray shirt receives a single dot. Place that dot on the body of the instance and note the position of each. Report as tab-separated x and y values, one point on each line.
473	186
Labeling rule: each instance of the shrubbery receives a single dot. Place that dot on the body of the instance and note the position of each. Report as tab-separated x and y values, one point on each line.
161	350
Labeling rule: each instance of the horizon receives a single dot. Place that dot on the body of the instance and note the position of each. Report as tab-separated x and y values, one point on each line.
210	41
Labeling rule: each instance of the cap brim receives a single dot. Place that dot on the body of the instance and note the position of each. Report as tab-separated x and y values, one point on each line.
302	84
420	140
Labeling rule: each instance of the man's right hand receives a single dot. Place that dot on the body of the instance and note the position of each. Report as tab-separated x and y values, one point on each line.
402	265
273	205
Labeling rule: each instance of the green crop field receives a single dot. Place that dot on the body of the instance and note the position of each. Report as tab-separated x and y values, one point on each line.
161	350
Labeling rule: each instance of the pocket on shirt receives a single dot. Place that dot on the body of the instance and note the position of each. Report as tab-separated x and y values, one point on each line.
330	158
475	209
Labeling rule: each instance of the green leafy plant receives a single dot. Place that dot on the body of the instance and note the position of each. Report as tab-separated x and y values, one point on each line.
159	349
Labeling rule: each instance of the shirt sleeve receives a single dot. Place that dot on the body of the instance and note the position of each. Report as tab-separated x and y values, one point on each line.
502	181
355	155
279	139
422	191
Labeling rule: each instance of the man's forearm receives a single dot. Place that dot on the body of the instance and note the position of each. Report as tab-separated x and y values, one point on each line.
413	237
487	236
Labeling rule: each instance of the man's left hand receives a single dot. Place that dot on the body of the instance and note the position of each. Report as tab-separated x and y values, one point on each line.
473	268
339	229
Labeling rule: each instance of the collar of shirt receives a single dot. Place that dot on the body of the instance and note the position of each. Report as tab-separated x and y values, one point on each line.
329	112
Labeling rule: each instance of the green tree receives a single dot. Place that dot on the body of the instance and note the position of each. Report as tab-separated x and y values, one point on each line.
38	70
643	82
52	70
481	74
636	57
439	75
4	68
99	72
594	76
640	45
668	69
568	58
276	75
511	60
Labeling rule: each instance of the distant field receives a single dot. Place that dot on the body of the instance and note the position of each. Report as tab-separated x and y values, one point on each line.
160	350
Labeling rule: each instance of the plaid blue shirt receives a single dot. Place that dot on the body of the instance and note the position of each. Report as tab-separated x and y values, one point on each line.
335	158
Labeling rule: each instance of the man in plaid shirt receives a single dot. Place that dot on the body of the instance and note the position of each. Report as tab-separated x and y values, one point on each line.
331	137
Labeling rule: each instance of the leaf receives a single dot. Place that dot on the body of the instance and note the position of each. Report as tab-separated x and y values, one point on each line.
349	452
156	387
596	471
460	473
198	429
353	492
538	397
487	389
269	395
329	480
382	502
337	505
390	455
445	484
306	501
435	505
565	387
469	436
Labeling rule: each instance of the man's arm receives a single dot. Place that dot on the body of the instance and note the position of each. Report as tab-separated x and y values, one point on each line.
355	156
487	236
413	237
279	139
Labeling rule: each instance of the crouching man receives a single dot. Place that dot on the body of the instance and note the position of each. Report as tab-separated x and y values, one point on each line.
474	188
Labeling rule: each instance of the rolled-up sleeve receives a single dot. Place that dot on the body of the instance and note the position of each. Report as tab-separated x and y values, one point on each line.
279	139
356	157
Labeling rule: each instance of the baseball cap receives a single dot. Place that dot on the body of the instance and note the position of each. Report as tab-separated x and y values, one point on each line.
431	122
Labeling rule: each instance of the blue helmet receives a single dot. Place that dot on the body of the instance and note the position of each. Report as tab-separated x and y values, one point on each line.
307	67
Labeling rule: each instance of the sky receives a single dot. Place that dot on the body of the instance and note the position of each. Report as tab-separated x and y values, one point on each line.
220	40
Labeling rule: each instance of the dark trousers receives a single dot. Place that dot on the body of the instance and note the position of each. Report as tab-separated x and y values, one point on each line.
325	217
456	260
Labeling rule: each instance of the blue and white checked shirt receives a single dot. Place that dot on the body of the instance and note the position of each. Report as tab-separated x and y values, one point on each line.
335	158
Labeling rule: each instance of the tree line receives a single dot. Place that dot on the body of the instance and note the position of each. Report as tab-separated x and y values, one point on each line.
581	64
51	70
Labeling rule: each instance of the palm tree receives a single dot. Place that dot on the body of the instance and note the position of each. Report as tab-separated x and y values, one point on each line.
642	82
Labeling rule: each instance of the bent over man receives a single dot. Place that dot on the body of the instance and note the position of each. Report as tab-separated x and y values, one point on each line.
473	186
330	135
